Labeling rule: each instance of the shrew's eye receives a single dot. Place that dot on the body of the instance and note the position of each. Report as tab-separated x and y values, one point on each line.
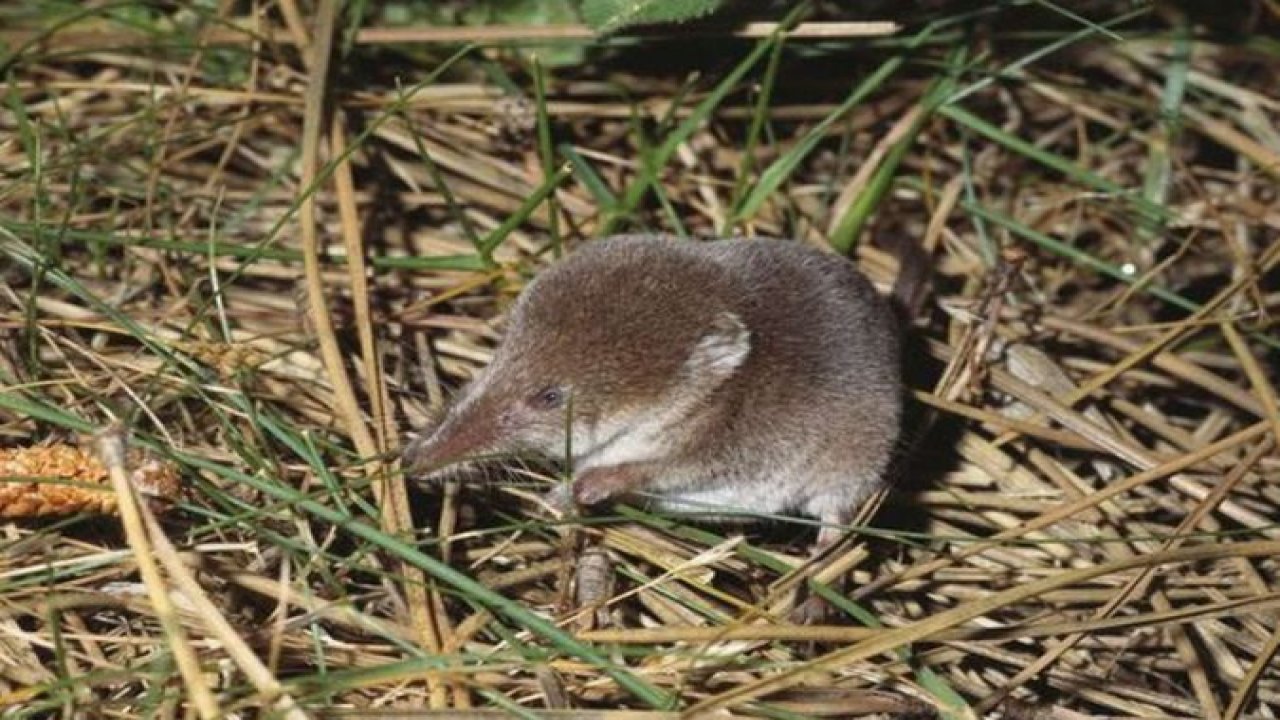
548	398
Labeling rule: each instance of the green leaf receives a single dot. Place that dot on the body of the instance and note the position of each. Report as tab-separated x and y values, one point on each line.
606	16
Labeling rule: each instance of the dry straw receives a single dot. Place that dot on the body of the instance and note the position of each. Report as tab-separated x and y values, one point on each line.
273	255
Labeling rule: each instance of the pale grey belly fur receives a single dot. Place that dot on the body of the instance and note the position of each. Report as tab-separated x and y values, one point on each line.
767	494
738	499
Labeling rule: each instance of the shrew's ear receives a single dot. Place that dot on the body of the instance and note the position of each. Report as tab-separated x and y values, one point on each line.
720	351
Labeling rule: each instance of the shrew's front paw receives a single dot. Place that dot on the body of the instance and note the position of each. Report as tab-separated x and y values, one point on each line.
561	498
598	484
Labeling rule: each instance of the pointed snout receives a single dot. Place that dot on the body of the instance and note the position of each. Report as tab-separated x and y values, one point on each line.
448	443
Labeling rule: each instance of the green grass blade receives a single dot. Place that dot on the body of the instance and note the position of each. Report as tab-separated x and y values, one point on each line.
585	173
785	166
1050	160
522	213
701	113
1159	171
849	227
